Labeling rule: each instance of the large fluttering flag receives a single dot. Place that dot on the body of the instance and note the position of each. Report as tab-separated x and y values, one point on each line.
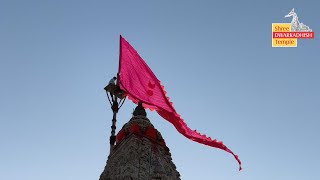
140	84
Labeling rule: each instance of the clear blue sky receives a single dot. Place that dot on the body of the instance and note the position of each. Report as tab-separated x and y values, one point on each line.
214	58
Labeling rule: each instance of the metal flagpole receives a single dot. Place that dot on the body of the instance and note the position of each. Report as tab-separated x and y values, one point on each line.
116	100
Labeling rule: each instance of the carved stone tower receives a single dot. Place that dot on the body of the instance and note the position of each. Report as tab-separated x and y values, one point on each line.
140	153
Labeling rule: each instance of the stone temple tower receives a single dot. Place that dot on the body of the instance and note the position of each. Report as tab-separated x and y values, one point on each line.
140	153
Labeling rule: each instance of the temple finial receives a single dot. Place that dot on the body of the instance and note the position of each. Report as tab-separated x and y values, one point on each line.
139	110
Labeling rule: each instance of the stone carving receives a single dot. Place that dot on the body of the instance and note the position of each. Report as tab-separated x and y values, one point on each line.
138	156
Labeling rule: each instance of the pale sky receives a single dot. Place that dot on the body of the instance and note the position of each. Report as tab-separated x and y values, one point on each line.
214	58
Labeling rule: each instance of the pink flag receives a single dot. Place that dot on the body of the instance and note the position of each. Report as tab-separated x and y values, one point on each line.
140	84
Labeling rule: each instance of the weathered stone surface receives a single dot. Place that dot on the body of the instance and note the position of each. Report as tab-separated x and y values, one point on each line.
140	154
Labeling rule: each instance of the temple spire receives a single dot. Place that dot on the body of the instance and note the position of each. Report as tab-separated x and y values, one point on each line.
140	153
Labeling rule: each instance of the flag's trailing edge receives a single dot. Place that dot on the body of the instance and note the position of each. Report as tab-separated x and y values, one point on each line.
140	84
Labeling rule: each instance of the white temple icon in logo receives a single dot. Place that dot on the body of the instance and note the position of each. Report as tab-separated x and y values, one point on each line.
295	24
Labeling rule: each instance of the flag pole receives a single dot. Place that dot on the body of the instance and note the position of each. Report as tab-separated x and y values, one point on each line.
116	101
119	66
